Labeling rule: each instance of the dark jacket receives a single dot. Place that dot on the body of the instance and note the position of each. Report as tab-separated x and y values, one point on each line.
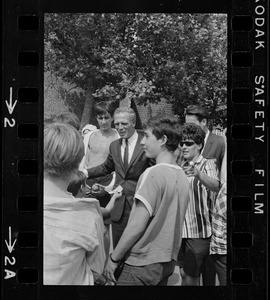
127	179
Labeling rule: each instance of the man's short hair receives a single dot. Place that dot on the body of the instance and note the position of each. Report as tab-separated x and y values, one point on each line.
124	109
166	125
104	107
68	118
192	131
199	111
63	149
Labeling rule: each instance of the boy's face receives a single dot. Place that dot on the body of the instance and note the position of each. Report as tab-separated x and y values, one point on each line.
150	144
104	121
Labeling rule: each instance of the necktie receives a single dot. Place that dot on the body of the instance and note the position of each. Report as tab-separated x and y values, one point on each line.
126	155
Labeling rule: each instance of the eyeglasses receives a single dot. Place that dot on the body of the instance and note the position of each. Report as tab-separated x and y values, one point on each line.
188	144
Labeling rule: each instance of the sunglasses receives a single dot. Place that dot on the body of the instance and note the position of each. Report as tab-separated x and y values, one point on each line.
188	144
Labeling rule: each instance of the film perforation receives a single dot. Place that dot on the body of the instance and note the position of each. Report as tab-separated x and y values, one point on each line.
241	59
242	95
242	23
241	204
28	59
241	276
27	276
242	240
27	131
28	22
28	94
242	168
27	239
27	167
242	131
27	203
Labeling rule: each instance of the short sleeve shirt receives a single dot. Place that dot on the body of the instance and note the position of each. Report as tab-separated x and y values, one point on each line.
164	190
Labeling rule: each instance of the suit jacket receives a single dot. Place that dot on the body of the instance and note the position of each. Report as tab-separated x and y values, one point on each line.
127	179
214	149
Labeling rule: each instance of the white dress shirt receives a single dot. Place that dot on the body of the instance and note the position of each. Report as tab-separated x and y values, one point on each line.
131	145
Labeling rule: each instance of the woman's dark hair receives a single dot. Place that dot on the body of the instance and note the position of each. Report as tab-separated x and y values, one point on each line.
104	107
193	132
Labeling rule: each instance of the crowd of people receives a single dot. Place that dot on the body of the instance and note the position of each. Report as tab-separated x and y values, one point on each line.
125	208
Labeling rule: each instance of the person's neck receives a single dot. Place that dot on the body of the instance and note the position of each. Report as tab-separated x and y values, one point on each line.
107	132
194	159
166	157
205	129
56	187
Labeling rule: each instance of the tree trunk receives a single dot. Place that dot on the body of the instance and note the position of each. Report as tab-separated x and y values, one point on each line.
88	105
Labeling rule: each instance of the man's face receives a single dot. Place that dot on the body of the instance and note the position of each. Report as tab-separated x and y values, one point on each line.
151	145
190	150
193	119
123	125
104	121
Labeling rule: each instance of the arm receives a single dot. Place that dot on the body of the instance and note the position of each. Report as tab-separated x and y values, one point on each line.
106	211
211	183
136	226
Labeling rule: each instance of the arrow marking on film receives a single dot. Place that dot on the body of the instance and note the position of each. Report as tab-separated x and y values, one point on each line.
9	243
9	104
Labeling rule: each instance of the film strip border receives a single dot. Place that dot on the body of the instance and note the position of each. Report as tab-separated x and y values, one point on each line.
248	152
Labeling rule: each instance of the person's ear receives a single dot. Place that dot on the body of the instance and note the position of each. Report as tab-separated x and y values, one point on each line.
164	140
200	146
204	121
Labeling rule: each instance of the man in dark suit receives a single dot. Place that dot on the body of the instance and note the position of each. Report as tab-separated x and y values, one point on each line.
214	148
214	145
127	158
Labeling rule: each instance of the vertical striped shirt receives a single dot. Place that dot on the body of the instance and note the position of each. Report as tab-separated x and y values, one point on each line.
197	222
218	243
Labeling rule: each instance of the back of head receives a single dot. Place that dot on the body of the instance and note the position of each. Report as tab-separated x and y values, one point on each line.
63	150
68	118
193	132
168	126
76	182
197	110
129	110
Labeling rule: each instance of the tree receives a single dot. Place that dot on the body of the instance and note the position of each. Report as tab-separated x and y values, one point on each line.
141	57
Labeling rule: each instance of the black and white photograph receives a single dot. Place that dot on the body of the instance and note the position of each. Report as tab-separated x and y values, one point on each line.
153	84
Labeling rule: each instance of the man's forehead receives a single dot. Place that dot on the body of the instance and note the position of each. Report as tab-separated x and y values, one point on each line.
122	116
192	119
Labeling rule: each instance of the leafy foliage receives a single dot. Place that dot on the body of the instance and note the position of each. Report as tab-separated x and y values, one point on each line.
143	57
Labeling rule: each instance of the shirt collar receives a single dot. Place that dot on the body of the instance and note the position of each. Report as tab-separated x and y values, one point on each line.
206	136
199	159
132	138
